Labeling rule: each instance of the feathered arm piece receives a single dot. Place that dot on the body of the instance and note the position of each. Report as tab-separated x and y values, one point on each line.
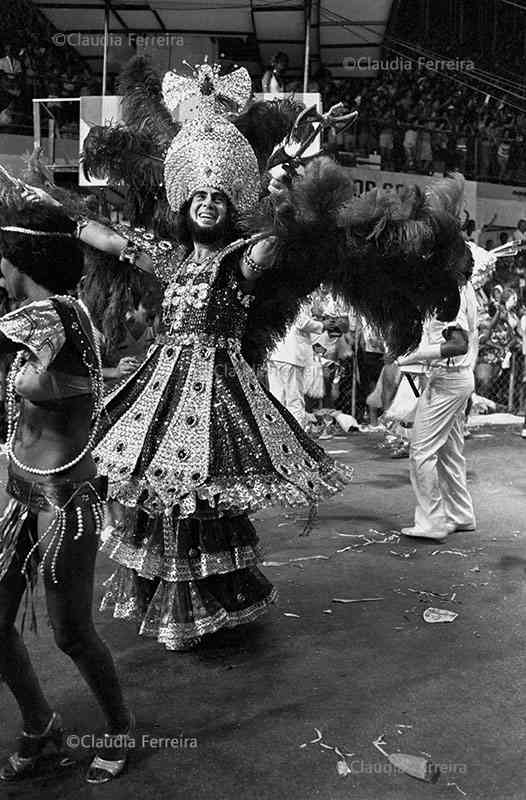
394	258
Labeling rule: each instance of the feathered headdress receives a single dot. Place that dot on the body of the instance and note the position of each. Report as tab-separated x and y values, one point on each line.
209	150
132	154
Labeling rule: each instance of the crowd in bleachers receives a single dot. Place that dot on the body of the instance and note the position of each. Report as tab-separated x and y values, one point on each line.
421	122
32	65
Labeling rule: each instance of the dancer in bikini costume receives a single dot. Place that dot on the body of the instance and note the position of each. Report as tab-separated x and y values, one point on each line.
52	510
192	444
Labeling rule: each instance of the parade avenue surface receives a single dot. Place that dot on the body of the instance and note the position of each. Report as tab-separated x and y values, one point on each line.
257	712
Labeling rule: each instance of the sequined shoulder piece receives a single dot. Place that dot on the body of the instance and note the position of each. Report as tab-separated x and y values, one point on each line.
37	327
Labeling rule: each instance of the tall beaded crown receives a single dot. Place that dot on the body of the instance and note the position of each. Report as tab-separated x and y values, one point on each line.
209	150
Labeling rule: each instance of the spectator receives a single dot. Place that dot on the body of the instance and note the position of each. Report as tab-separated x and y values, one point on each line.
410	139
386	143
424	150
9	64
273	81
519	234
503	154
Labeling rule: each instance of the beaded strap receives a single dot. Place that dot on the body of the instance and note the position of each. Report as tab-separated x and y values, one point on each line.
98	386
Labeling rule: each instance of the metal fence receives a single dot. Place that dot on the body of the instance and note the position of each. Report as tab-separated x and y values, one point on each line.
508	387
347	393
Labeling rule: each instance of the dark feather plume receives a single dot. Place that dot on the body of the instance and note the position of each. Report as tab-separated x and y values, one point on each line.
265	124
139	84
130	160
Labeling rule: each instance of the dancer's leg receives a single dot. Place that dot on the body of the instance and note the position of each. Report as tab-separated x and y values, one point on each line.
69	603
15	666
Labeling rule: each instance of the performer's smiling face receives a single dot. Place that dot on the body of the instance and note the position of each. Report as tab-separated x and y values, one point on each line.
208	214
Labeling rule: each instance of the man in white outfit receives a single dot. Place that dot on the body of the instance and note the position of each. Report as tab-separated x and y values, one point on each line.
437	463
287	363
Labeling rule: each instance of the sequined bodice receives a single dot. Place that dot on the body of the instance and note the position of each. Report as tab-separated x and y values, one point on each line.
207	299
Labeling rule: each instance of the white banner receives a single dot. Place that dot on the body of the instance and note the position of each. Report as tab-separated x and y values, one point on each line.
365	179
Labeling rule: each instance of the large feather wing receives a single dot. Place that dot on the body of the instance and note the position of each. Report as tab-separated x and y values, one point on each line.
395	257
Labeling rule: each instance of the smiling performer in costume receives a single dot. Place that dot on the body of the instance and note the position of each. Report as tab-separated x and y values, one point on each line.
192	438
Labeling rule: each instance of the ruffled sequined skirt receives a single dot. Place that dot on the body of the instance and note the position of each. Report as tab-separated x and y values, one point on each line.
181	578
191	444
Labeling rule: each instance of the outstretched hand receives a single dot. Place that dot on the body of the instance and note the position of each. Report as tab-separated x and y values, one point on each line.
38	194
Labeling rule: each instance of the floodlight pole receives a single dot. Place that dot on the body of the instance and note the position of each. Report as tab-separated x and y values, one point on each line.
308	16
107	9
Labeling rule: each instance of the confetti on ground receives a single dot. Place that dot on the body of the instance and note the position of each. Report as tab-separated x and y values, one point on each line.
428	593
457	787
308	558
342	766
408	554
357	600
287	614
293	561
327	610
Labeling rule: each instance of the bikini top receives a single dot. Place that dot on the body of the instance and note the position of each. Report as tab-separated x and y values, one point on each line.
48	329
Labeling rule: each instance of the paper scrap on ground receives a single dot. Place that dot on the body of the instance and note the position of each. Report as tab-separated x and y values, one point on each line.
416	766
439	615
449	552
288	614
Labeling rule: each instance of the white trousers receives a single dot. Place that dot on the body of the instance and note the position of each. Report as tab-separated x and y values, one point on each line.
437	463
285	382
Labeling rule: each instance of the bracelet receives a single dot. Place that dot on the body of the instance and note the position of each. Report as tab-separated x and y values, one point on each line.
129	252
81	224
251	264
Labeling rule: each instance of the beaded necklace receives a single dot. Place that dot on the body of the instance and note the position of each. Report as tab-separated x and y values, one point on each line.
97	382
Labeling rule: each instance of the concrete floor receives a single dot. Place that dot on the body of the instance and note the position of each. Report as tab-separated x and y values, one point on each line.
247	700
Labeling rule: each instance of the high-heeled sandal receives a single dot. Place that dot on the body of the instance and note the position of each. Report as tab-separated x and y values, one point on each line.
34	749
103	770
